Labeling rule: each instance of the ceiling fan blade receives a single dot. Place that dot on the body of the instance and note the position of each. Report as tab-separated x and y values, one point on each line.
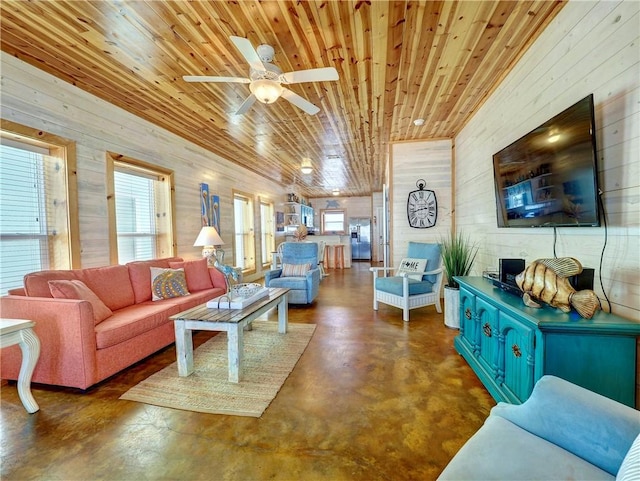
299	102
246	105
205	78
311	75
248	52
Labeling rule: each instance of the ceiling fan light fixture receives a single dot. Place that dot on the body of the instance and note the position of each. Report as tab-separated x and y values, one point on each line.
305	166
335	192
266	91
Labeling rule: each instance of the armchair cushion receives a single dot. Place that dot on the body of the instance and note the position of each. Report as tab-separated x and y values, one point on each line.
393	285
431	252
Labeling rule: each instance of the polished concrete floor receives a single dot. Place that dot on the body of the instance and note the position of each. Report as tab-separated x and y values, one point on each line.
372	398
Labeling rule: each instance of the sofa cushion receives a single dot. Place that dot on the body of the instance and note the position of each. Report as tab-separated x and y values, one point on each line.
500	450
295	270
393	285
73	289
573	420
140	275
132	321
36	284
409	265
111	284
196	272
168	283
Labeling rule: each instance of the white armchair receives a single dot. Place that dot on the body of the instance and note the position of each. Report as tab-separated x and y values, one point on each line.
410	290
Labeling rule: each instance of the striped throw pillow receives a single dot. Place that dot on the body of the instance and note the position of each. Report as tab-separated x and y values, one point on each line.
630	468
295	270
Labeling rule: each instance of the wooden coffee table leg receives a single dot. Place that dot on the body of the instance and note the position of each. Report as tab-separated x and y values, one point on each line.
283	315
235	348
184	349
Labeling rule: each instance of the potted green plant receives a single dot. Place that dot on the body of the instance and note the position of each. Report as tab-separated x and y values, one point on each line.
458	255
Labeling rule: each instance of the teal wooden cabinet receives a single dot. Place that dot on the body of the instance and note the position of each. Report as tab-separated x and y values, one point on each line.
511	346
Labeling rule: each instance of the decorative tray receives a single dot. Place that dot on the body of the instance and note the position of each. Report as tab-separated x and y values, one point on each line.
227	302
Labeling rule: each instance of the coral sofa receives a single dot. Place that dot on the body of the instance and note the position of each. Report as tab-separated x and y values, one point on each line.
562	432
93	323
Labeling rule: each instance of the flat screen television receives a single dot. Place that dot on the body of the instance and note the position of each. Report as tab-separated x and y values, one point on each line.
549	177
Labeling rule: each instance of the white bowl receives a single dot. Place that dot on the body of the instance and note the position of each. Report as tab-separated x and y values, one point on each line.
245	290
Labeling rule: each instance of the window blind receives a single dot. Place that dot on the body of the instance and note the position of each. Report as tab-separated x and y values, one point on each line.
135	215
23	216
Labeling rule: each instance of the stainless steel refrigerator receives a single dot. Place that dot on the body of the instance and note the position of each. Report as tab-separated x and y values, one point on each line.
360	230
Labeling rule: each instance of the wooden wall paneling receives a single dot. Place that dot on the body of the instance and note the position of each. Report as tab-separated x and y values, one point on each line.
587	49
96	127
430	161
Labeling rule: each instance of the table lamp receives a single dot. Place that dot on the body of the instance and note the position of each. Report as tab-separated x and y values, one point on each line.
210	240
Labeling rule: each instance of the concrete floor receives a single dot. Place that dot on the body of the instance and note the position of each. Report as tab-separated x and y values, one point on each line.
372	398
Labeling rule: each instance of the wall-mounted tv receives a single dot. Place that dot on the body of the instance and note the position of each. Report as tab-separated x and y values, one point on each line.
549	177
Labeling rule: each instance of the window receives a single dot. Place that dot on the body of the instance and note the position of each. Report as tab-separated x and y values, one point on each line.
141	214
35	228
333	221
244	248
267	231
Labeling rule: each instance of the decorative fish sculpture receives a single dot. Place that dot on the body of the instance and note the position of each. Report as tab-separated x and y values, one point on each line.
546	280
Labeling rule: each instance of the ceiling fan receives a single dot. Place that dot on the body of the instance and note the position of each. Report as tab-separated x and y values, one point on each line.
266	80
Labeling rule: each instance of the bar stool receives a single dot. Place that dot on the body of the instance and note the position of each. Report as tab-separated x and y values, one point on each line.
338	255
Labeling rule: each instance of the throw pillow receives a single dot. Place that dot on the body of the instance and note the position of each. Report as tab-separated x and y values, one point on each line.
74	289
409	265
168	283
630	467
295	270
197	274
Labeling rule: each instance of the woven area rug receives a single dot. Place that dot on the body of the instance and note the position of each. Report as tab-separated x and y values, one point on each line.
269	357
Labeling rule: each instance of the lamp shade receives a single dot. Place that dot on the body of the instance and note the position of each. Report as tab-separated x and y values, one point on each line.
306	166
208	236
266	91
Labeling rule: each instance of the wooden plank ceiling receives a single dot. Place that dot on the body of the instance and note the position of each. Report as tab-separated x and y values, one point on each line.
397	61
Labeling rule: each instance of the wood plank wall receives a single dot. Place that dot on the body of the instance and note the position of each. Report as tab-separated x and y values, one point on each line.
411	161
591	47
34	98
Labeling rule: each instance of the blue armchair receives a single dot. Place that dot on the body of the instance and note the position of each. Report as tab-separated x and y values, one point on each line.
411	290
293	273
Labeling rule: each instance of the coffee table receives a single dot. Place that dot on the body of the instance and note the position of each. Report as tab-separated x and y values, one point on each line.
233	321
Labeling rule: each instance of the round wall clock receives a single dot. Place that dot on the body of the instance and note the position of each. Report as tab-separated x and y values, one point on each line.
422	207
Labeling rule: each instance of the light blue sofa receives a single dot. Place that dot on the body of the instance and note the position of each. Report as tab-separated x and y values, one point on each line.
304	288
562	432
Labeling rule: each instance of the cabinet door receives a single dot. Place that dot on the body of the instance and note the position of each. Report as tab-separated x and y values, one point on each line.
467	324
516	358
486	336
